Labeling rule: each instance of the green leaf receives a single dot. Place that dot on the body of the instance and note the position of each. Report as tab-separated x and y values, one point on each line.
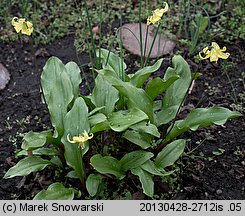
176	92
92	184
60	96
201	23
151	167
114	62
202	117
146	127
40	151
76	121
26	166
141	139
57	191
137	97
34	140
52	69
164	116
95	110
98	122
107	165
157	86
121	120
73	72
141	75
146	180
104	94
170	153
135	159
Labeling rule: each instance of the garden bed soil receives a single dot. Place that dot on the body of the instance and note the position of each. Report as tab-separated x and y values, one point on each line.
203	174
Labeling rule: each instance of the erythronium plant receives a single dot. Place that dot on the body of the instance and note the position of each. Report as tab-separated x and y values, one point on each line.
134	111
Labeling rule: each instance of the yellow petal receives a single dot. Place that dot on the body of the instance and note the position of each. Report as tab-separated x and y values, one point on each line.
165	9
68	138
222	55
215	46
206	52
14	21
213	56
27	28
148	21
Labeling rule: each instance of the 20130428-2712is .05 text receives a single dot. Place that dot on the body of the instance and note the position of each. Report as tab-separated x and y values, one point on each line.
198	206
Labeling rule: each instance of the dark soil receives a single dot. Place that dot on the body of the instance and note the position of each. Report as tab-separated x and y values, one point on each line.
21	110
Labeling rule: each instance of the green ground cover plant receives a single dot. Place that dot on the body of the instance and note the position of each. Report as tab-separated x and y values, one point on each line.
123	108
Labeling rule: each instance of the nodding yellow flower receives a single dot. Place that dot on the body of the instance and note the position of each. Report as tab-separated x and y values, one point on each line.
157	15
215	53
80	139
23	26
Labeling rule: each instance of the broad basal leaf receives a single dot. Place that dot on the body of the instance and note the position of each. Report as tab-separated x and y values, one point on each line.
57	191
121	120
170	153
202	117
157	86
52	69
141	75
26	166
107	165
135	159
137	97
34	140
98	122
111	61
104	95
141	139
73	72
76	121
92	184
175	93
146	180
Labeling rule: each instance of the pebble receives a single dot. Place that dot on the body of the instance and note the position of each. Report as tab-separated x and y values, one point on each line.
243	163
219	192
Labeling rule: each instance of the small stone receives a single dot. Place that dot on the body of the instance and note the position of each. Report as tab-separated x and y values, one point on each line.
218	192
243	163
4	77
206	194
131	37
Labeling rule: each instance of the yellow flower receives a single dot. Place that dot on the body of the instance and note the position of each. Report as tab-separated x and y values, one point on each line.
23	26
157	15
80	139
215	53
